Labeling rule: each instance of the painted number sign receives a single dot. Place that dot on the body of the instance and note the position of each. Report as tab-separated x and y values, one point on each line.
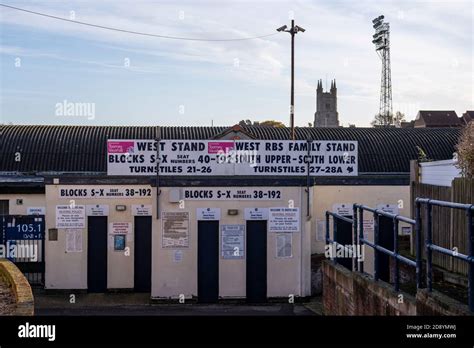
232	157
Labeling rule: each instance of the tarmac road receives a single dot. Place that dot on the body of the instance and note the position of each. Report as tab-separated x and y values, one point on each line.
139	304
181	310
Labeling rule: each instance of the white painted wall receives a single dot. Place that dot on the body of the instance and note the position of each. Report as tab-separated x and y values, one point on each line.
68	270
29	200
284	276
169	279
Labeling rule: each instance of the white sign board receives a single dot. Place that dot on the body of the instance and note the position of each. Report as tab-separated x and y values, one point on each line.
208	213
73	240
232	157
82	191
256	213
320	230
120	227
388	208
69	216
284	220
178	256
368	226
233	242
406	230
36	211
284	245
141	210
233	194
344	209
175	229
97	210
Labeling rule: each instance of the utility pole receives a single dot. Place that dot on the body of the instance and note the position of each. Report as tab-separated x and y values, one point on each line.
293	30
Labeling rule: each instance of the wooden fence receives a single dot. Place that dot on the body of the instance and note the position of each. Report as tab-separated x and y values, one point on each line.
449	225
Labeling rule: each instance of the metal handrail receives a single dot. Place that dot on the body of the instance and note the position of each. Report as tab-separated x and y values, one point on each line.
328	237
430	246
358	226
360	208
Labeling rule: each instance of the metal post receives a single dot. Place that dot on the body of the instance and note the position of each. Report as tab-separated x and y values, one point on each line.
361	236
309	141
327	228
292	106
157	178
293	31
470	238
376	242
429	252
334	232
395	249
43	247
354	231
418	250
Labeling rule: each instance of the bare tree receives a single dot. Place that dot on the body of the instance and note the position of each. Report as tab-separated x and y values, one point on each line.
388	120
267	123
465	151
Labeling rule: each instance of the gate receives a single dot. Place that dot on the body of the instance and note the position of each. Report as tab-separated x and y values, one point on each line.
22	241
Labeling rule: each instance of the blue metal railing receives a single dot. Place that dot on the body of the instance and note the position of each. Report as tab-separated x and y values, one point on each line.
430	247
357	222
359	211
333	241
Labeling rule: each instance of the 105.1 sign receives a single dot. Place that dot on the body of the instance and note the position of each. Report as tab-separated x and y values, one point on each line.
24	228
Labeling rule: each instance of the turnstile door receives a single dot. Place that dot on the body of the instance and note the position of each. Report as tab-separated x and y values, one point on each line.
208	261
256	261
142	254
344	237
97	253
386	241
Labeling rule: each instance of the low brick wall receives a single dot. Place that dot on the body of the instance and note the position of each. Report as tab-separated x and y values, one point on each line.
20	287
350	293
338	290
435	303
316	274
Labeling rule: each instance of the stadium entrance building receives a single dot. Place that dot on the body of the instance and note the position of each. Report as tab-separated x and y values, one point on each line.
232	212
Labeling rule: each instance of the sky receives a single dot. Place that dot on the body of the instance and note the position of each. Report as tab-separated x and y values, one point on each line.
57	72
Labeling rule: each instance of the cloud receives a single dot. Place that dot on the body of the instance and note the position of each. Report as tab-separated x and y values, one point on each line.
431	56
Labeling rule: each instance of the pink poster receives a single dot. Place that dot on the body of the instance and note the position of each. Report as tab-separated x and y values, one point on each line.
220	146
120	146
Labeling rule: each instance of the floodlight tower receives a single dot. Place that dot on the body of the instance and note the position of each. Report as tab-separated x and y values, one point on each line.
381	40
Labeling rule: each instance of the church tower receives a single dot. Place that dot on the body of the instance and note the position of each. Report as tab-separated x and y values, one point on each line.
326	106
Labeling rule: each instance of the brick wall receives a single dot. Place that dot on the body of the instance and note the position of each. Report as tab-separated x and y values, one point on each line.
435	303
20	287
352	293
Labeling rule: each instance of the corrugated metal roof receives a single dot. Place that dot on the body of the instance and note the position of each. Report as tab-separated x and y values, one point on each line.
83	148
